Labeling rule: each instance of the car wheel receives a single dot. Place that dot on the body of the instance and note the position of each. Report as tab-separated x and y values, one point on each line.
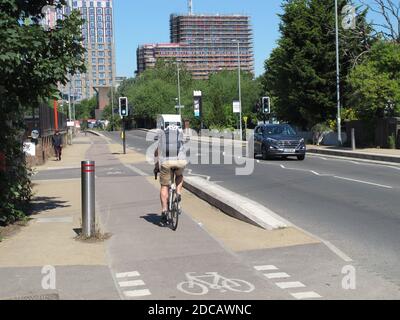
301	158
264	152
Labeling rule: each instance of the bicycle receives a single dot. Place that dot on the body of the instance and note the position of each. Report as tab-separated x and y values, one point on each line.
200	284
174	203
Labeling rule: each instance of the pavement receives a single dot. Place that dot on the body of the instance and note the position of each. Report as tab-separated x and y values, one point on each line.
143	260
374	154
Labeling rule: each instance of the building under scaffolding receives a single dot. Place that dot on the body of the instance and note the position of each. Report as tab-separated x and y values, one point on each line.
204	44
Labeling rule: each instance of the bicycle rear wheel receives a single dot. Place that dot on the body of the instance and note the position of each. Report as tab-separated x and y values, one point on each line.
174	213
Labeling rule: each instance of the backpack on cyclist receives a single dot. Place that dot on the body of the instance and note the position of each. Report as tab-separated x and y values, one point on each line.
171	143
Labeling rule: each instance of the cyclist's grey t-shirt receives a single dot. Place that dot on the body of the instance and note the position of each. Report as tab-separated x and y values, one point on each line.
171	145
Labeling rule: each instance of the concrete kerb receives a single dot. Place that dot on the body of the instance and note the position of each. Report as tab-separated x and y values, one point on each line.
355	155
96	133
235	205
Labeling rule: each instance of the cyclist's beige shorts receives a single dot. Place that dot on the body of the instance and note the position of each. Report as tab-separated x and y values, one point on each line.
165	170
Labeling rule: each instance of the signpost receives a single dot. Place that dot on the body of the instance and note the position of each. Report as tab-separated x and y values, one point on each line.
198	106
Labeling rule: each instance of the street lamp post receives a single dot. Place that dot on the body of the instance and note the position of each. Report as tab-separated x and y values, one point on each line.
339	127
240	91
179	89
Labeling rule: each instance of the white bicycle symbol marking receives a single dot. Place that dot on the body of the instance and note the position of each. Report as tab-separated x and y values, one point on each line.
198	286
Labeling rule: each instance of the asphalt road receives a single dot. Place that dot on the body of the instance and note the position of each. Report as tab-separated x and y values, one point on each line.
353	205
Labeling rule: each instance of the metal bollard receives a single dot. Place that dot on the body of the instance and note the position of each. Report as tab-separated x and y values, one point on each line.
88	198
353	139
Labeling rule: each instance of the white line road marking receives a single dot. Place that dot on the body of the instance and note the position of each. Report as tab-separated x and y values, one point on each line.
127	274
364	182
134	283
290	285
338	177
265	268
136	170
306	295
62	168
137	293
277	275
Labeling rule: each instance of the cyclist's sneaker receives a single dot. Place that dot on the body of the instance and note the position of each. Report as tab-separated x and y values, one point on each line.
164	219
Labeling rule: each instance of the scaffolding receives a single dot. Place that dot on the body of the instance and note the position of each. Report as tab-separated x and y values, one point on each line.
204	43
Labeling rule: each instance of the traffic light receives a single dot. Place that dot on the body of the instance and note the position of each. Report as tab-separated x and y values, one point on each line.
123	107
266	105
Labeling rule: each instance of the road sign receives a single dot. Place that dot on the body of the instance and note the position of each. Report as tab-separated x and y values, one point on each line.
236	106
197	102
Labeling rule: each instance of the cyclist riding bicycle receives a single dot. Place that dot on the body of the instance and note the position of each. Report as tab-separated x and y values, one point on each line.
171	155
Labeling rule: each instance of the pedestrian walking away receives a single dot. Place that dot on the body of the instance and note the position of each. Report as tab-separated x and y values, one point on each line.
57	144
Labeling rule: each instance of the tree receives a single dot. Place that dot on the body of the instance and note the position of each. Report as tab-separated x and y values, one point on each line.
32	63
301	72
376	82
86	108
389	12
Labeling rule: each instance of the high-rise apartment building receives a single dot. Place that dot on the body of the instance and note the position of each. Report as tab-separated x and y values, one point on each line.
204	44
98	40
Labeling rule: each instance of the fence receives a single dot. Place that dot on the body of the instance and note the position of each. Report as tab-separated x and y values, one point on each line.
45	124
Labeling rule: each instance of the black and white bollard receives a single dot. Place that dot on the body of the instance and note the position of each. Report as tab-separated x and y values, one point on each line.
88	198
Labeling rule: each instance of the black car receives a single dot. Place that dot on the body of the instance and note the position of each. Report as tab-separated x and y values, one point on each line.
278	140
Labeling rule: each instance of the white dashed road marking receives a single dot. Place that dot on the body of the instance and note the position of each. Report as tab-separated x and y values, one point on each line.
129	283
137	293
290	285
265	268
277	275
287	284
127	274
306	295
134	283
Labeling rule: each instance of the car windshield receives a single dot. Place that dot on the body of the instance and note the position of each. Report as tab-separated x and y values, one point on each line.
285	130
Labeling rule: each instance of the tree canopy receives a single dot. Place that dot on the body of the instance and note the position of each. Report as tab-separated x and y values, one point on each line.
375	83
155	91
33	61
301	71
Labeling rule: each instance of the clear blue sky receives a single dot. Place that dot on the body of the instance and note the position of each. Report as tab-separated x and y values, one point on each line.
147	21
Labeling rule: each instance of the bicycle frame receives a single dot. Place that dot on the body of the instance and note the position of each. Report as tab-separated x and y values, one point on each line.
215	282
172	190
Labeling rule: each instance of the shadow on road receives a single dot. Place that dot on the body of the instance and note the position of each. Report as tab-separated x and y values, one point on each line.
40	204
153	218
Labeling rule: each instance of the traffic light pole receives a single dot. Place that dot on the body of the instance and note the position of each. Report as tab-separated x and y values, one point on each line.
123	135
